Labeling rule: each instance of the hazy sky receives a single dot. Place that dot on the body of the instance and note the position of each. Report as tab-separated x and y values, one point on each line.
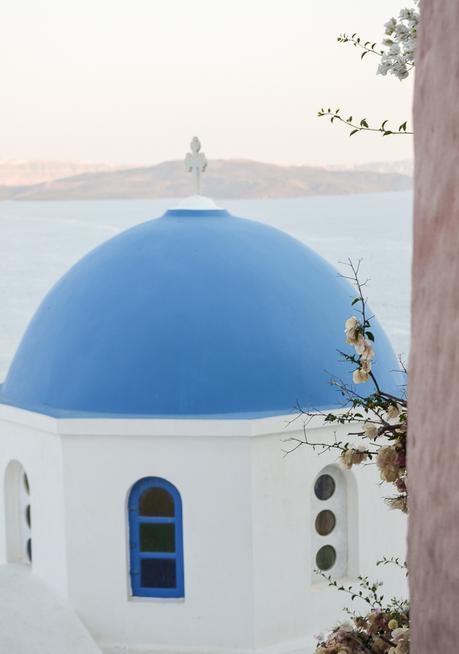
131	81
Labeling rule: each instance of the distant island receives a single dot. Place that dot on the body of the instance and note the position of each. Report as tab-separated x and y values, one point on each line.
231	178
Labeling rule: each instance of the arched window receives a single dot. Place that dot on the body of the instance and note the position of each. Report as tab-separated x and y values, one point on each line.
330	523
155	539
18	514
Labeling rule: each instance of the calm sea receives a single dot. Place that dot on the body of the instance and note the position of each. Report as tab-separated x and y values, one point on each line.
39	241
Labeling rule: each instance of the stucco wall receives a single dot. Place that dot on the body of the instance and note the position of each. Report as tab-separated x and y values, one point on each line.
32	443
434	363
290	600
212	477
248	518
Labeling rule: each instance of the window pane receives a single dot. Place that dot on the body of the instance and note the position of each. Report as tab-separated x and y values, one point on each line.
324	487
157	537
28	516
158	573
326	557
325	522
156	503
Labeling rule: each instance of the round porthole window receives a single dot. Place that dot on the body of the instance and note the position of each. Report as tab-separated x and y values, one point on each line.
325	522
324	487
326	557
27	516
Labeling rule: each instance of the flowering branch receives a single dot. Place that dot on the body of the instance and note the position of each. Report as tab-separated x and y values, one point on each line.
363	125
381	417
393	560
379	420
397	57
367	46
384	630
397	53
368	592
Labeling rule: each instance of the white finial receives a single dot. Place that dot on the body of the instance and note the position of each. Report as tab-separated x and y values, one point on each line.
196	163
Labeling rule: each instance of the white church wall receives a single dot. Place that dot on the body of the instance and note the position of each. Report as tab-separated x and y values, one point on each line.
25	441
382	532
248	526
291	603
213	477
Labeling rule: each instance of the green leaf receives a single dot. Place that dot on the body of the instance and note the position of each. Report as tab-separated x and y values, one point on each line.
354	131
363	123
370	336
402	127
363	54
387	133
355	300
383	125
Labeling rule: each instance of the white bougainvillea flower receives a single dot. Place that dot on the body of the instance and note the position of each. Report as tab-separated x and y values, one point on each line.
354	456
360	376
368	353
350	323
400	43
346	459
393	411
387	461
370	430
390	26
365	365
401	637
352	330
365	349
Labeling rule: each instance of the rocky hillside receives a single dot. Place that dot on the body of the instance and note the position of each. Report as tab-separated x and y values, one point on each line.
236	178
26	173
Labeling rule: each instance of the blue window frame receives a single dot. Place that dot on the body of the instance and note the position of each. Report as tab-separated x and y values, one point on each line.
156	539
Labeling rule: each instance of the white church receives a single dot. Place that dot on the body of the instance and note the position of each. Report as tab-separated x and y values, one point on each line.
146	506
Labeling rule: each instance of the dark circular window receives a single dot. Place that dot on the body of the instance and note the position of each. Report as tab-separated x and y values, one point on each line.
325	522
27	515
326	557
324	487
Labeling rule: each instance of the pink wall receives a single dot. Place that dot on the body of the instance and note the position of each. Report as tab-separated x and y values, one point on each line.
434	363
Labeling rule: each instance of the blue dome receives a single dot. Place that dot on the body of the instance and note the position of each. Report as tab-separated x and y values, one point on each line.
196	314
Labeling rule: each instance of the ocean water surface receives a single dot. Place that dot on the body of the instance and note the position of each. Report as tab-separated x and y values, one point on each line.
39	241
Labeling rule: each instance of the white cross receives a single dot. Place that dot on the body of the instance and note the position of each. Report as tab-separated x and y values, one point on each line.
196	163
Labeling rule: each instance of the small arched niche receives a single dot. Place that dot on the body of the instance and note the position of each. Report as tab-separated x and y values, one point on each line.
330	524
18	514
